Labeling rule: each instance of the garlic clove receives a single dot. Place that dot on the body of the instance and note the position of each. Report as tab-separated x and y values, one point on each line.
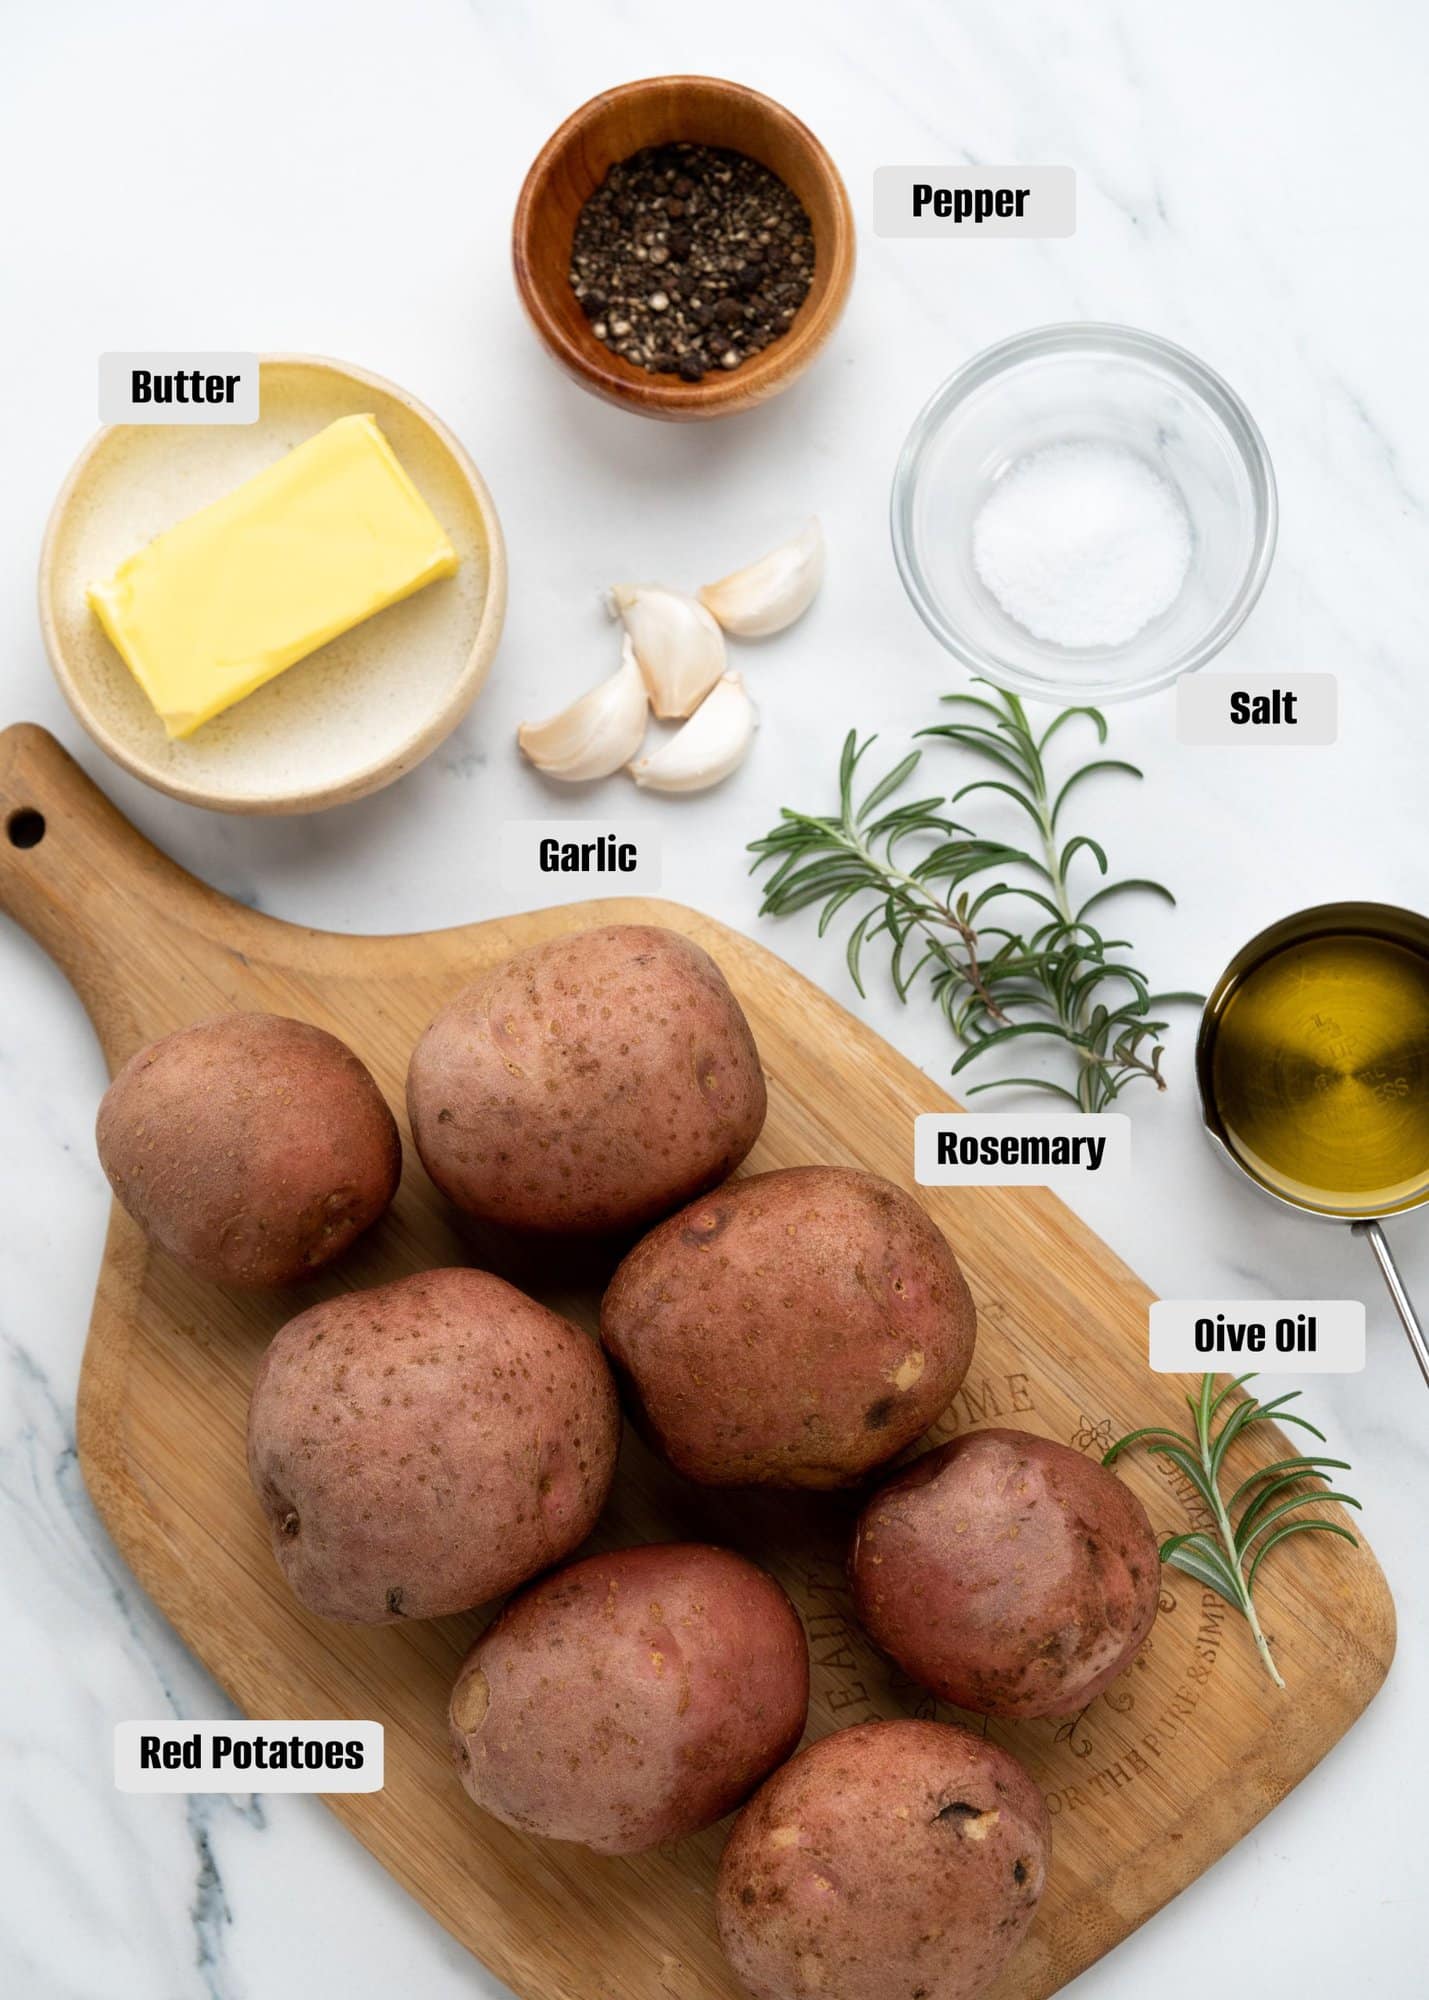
596	734
711	745
678	644
769	594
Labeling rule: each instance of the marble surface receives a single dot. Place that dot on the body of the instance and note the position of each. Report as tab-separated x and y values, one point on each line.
338	176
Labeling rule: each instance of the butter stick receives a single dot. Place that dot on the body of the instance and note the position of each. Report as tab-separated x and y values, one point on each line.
214	607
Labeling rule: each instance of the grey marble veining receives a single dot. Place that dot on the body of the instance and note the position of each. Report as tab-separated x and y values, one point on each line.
338	176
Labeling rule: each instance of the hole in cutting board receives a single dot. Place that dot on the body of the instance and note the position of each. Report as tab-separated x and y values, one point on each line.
26	827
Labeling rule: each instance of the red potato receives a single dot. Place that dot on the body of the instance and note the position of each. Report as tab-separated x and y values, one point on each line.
252	1148
795	1329
1009	1574
631	1698
587	1085
425	1446
887	1861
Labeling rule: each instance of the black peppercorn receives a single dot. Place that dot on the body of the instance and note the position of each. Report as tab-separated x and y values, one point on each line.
707	293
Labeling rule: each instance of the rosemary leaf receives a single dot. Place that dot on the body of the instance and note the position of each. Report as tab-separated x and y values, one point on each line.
1217	1557
1003	958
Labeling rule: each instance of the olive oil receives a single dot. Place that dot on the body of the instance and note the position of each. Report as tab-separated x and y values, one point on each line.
1319	1072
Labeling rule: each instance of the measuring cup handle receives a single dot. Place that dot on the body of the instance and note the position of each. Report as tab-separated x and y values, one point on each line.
1379	1243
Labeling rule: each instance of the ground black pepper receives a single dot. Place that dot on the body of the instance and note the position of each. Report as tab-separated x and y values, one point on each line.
690	258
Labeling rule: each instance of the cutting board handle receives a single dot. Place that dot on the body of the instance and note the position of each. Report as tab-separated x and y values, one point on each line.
88	886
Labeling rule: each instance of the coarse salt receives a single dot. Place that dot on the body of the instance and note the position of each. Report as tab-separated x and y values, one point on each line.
1082	544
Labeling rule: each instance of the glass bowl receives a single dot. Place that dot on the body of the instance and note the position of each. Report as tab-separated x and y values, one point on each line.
1085	383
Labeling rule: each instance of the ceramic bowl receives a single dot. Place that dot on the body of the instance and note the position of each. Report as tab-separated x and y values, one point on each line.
352	716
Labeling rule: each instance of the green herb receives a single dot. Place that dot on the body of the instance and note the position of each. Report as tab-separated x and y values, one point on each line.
1227	1557
997	978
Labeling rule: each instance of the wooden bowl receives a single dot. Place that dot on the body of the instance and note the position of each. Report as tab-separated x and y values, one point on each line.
576	159
352	716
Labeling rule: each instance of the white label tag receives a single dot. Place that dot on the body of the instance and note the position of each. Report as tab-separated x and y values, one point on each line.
1270	1336
974	201
1251	710
248	1756
178	388
565	860
1001	1149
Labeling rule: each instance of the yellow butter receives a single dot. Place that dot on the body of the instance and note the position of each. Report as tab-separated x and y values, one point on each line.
305	550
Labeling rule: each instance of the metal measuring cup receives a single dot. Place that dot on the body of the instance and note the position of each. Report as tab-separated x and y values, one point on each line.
1378	920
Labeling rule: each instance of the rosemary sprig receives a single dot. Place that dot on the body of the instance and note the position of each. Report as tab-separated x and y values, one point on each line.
912	872
1225	1557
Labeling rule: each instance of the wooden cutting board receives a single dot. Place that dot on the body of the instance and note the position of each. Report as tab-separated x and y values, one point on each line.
1159	1777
